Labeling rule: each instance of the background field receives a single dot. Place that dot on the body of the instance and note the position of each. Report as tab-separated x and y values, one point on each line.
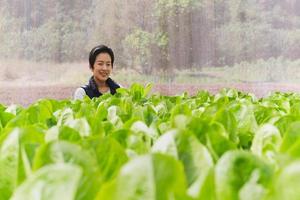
24	82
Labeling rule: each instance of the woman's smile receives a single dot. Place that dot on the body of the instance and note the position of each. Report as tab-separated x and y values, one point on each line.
104	74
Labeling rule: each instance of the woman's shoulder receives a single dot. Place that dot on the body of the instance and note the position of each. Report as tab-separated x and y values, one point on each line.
79	93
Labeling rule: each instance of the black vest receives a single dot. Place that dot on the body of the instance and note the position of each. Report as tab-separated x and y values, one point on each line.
92	91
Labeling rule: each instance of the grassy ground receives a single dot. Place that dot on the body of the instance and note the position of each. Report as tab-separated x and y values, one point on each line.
71	74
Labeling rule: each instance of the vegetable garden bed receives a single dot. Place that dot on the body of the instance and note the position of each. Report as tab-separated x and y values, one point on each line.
137	145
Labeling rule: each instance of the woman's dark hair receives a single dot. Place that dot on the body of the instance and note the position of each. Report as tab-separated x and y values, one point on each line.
100	49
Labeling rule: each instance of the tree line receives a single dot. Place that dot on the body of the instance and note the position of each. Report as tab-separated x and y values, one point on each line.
156	35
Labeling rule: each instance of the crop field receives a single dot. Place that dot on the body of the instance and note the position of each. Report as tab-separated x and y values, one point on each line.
26	95
149	146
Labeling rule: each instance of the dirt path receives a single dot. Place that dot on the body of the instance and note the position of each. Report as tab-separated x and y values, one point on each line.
27	95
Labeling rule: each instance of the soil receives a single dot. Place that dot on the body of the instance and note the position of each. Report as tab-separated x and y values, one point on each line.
29	94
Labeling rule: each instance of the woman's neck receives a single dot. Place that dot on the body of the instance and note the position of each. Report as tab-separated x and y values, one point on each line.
100	84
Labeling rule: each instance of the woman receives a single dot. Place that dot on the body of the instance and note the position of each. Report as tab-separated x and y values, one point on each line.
101	62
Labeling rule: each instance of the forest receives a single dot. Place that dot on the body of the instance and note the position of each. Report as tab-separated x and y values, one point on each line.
151	36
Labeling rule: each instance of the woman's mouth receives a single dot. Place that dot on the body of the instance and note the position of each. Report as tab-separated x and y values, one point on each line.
103	74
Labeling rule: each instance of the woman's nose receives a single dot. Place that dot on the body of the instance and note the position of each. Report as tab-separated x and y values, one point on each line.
104	66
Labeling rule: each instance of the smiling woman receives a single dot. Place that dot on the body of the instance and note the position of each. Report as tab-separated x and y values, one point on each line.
101	62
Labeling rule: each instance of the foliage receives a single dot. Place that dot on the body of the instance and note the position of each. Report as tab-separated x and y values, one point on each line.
137	145
140	43
9	37
160	34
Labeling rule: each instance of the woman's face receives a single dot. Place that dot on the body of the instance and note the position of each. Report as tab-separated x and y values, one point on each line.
102	67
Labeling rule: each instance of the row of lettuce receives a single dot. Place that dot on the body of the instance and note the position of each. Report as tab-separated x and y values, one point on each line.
133	145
